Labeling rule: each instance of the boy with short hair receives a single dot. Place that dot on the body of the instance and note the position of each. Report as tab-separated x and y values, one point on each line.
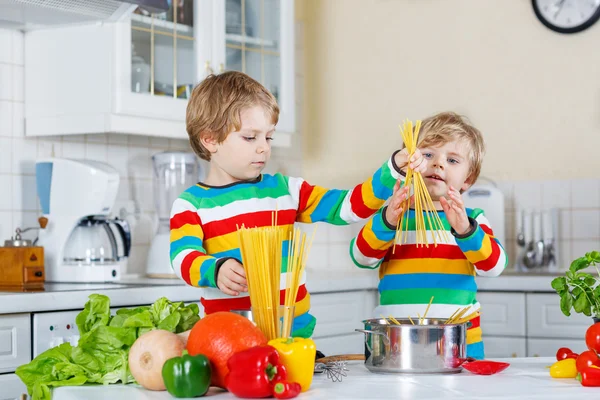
231	121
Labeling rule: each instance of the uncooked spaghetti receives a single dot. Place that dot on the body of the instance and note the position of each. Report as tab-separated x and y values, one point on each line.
424	208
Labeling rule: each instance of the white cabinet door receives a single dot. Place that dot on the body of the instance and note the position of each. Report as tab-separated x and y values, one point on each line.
341	312
15	341
11	387
546	320
548	347
353	343
502	347
502	314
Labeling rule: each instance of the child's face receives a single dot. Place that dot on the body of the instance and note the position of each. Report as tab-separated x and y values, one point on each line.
447	165
244	153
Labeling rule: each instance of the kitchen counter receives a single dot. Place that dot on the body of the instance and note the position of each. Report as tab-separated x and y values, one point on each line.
526	378
133	290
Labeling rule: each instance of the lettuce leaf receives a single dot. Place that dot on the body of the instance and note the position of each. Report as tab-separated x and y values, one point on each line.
105	339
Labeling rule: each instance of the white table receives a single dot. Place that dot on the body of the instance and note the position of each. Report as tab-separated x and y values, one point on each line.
526	378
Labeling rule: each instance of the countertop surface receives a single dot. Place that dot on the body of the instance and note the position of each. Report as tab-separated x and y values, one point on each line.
526	378
133	290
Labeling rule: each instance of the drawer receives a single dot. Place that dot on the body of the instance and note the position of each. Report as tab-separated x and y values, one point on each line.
12	387
504	347
502	314
545	320
549	347
33	275
15	341
341	312
353	343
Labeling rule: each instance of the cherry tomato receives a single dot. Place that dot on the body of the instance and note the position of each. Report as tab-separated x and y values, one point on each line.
563	353
586	359
592	337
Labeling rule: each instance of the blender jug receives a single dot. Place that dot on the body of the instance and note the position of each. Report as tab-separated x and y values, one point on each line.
174	172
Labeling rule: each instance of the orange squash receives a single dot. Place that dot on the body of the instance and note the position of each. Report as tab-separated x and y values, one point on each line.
219	336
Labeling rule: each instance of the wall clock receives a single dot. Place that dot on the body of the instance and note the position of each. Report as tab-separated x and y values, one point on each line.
567	16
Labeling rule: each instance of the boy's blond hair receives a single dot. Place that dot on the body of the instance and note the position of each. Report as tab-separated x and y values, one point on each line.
216	103
446	127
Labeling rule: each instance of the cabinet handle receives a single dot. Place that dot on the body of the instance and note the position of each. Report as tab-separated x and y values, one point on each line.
221	68
514	355
208	68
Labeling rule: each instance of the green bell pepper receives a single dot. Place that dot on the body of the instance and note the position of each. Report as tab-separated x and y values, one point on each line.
187	376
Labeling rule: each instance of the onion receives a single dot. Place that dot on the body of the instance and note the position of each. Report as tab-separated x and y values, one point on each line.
148	354
184	336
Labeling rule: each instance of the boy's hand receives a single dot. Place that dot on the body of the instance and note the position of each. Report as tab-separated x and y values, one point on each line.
394	210
231	278
417	162
455	211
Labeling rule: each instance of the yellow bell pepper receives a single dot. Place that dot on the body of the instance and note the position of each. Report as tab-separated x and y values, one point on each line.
564	369
298	356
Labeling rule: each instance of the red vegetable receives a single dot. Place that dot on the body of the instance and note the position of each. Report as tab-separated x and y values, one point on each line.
253	372
590	376
563	353
592	337
586	359
286	390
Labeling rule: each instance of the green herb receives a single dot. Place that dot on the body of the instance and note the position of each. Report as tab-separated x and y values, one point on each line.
579	290
103	348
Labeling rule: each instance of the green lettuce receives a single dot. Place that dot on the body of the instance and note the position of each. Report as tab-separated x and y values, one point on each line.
101	354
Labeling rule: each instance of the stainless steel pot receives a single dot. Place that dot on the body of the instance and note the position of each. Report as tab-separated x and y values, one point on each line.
432	347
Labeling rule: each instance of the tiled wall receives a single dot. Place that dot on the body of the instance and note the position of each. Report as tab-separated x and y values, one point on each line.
129	154
577	201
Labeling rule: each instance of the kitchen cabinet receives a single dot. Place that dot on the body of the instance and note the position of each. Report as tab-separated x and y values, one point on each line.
338	314
135	76
15	341
11	387
518	324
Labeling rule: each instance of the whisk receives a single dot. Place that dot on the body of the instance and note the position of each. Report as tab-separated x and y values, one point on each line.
336	366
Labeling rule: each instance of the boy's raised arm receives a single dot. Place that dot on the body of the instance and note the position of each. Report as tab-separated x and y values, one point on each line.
188	256
371	244
480	246
342	207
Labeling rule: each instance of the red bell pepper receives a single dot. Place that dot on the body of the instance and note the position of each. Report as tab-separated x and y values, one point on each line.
286	390
253	372
590	376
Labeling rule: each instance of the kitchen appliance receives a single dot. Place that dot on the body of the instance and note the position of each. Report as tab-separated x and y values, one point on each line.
490	199
22	263
430	347
174	172
81	243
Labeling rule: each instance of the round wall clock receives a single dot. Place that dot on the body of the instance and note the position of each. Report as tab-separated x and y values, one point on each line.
567	16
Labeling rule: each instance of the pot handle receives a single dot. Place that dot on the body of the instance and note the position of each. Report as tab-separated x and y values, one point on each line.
386	339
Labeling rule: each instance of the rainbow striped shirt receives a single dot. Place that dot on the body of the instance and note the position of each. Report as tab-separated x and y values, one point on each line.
204	220
410	275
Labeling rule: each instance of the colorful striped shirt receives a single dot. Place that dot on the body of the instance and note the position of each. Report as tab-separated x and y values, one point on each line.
410	275
204	220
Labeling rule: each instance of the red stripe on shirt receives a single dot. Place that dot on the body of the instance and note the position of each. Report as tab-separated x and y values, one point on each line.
249	220
186	264
366	249
242	303
445	251
183	218
487	230
357	204
304	196
475	323
492	260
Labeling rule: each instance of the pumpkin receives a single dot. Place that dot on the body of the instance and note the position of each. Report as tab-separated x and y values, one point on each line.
219	336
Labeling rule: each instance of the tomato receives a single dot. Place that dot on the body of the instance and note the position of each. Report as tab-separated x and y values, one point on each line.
592	337
586	359
563	353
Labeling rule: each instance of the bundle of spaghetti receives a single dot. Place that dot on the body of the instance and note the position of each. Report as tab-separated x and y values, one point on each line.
423	205
459	317
261	251
298	250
